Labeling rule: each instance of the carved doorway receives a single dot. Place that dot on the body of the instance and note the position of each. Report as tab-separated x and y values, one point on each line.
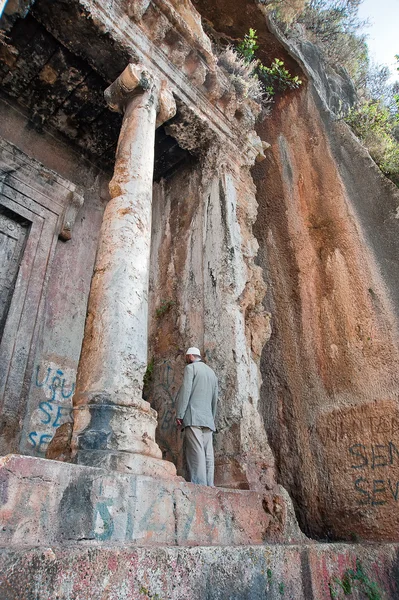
33	204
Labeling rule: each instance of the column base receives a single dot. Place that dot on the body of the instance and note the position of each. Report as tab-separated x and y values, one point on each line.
126	462
118	438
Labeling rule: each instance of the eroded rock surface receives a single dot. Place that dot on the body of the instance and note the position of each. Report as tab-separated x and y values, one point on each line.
294	572
328	246
45	502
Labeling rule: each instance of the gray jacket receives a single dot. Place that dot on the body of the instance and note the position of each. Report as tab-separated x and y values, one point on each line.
197	399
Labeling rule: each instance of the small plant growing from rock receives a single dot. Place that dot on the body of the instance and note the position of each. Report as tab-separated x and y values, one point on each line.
352	581
242	74
164	307
250	77
277	78
249	45
149	372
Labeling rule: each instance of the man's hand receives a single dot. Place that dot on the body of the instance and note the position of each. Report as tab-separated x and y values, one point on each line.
179	422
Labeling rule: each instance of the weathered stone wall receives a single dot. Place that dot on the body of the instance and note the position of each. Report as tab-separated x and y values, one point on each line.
58	503
328	236
257	573
170	40
328	251
327	230
55	354
205	291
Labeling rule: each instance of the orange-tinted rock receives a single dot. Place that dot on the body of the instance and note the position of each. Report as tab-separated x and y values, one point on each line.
60	446
332	360
359	457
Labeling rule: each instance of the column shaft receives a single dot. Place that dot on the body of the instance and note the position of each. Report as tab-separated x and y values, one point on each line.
113	426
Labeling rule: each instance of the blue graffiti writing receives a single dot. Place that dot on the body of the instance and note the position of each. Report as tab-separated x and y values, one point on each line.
55	409
57	384
43	440
148	522
49	410
43	383
108	522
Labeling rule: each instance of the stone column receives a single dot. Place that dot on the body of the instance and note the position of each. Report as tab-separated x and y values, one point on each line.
113	426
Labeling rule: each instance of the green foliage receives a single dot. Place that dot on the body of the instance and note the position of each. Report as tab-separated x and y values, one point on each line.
146	592
149	372
355	580
333	591
275	78
164	307
336	29
248	46
374	124
375	120
396	96
334	26
378	87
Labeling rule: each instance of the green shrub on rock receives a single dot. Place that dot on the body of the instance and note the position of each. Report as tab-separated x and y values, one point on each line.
374	124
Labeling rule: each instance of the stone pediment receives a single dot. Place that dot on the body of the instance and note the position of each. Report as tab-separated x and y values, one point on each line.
61	56
176	50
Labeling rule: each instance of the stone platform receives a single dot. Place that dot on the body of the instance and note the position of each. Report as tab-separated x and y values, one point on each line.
278	572
45	502
70	532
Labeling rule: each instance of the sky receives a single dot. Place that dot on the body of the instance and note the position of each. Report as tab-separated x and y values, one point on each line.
383	33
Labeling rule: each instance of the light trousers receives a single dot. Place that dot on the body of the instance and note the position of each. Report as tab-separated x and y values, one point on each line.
198	444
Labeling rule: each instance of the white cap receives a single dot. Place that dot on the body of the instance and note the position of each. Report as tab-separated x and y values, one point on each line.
194	351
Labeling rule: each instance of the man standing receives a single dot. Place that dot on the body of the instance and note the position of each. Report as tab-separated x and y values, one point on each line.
195	413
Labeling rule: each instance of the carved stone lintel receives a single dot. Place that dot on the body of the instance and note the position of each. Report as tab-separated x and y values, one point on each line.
191	131
76	202
193	134
185	19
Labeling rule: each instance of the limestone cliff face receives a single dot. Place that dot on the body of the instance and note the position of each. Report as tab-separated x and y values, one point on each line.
202	291
205	290
327	230
328	233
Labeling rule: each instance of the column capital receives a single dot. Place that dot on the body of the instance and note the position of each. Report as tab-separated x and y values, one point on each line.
136	79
